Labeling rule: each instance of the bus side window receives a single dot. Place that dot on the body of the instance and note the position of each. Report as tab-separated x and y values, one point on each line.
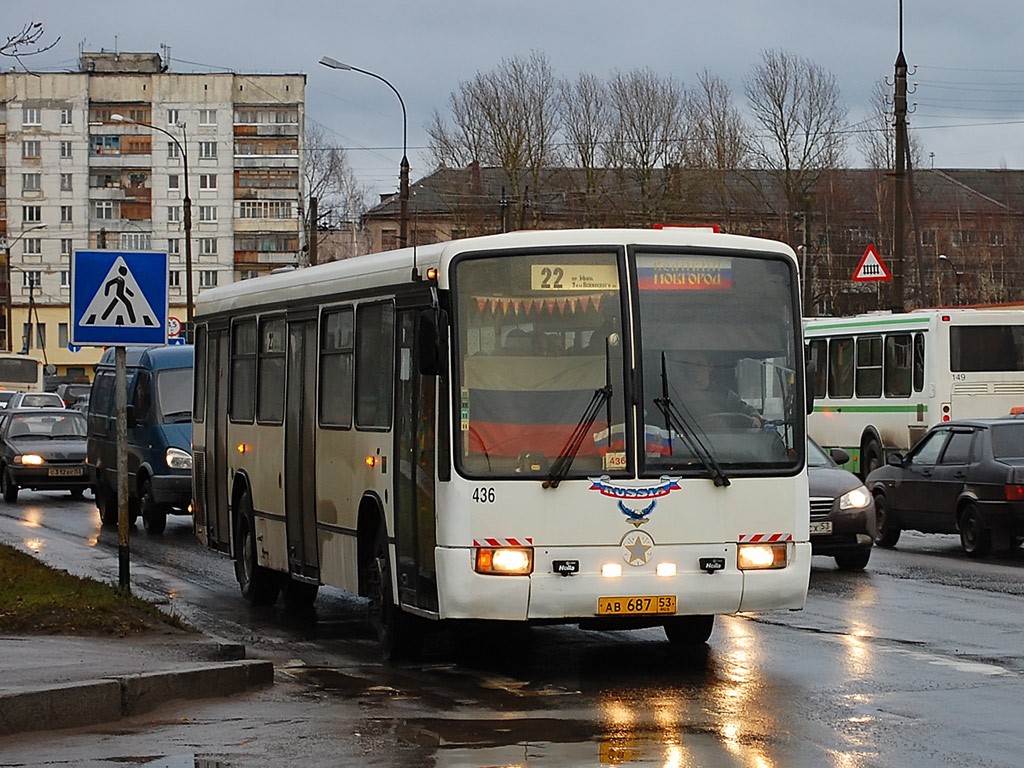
869	366
898	365
840	367
818	354
918	362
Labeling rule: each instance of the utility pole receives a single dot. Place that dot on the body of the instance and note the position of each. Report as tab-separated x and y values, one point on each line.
897	296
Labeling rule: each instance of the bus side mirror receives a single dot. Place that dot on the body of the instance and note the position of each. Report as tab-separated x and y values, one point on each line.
809	384
428	344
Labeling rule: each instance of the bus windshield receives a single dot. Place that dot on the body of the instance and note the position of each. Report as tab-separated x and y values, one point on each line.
540	360
543	357
719	364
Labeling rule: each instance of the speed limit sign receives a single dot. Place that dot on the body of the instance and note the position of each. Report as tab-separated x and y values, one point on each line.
173	326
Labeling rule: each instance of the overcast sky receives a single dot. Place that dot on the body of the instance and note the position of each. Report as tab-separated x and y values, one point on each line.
968	55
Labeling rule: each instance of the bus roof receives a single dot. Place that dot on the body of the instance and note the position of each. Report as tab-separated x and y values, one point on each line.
395	267
914	320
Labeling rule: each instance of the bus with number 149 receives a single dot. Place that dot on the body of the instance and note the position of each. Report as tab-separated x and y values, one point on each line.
597	427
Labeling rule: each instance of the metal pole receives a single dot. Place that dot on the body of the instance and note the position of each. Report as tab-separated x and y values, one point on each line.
187	204
121	406
7	298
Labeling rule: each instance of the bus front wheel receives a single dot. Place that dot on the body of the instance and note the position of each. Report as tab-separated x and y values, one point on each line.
398	632
689	630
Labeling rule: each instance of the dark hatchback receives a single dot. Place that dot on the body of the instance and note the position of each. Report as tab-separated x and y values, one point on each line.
44	450
842	512
963	477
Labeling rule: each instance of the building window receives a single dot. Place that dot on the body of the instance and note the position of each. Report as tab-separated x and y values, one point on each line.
66	214
174	278
265	209
996	238
31	182
33	246
207	116
174	246
173	153
173	117
65	279
208	278
65	117
31	278
135	241
208	246
248	274
388	239
62	335
208	149
31	116
26	335
31	213
65	246
104	145
31	149
174	213
207	181
173	180
103	209
65	182
65	150
207	212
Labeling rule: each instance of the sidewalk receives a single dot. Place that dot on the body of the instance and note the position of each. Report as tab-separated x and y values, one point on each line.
49	682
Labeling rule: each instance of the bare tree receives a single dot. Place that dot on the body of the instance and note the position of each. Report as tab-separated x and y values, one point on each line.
801	122
719	138
647	130
506	118
341	199
26	42
585	125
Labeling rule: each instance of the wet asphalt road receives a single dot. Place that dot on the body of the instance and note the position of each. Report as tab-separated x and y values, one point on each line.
915	662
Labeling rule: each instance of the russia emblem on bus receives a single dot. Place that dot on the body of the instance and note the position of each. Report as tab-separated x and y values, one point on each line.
871	267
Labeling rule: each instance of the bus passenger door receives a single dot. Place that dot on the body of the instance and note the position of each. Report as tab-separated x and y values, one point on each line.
299	446
415	531
212	479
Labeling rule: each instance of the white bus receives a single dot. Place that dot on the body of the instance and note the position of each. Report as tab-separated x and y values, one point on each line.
499	429
881	380
20	373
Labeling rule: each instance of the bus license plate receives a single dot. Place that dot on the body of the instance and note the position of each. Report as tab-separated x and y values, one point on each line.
72	472
632	606
822	528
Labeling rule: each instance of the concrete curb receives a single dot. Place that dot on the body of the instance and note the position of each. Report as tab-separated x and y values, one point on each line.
74	705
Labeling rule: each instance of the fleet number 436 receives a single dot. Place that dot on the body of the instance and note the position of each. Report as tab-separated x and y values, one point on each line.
484	495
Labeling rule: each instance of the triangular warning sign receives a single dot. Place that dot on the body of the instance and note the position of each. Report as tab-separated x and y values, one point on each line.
119	302
871	267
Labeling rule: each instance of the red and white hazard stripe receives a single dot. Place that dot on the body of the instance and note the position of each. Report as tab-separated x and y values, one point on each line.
518	542
764	538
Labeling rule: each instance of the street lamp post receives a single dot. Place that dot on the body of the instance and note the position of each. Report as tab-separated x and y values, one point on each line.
403	184
7	277
959	273
186	204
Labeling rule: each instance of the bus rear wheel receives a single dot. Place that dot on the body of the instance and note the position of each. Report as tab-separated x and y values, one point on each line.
399	633
259	584
689	630
870	457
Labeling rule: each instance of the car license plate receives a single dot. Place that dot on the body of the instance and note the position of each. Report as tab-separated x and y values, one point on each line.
632	606
821	528
65	472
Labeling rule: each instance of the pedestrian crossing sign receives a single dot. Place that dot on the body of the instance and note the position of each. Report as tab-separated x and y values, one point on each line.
871	267
118	298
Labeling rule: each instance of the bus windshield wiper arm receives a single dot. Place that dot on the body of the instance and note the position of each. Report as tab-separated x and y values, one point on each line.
560	467
674	419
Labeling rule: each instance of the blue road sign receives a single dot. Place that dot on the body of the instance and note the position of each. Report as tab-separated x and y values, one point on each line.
118	298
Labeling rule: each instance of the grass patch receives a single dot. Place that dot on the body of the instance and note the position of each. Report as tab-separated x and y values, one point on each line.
37	599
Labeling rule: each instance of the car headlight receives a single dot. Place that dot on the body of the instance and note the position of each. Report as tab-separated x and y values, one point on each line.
858	498
33	459
178	459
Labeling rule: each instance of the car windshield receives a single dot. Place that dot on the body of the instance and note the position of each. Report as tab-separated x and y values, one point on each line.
816	457
38	426
174	394
1008	440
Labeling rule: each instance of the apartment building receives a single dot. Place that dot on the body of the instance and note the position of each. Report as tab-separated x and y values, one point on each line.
97	158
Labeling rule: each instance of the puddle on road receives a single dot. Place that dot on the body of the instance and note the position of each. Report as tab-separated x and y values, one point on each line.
178	761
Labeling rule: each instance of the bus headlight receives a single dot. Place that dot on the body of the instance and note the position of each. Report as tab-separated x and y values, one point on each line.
858	498
504	561
753	557
178	459
32	459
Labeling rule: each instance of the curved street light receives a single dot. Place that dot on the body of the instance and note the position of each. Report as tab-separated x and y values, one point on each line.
403	176
186	204
7	277
958	272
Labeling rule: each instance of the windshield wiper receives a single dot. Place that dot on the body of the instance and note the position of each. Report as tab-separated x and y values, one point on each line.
687	430
560	467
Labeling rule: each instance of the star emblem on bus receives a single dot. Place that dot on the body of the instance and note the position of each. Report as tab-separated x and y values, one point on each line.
637	548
